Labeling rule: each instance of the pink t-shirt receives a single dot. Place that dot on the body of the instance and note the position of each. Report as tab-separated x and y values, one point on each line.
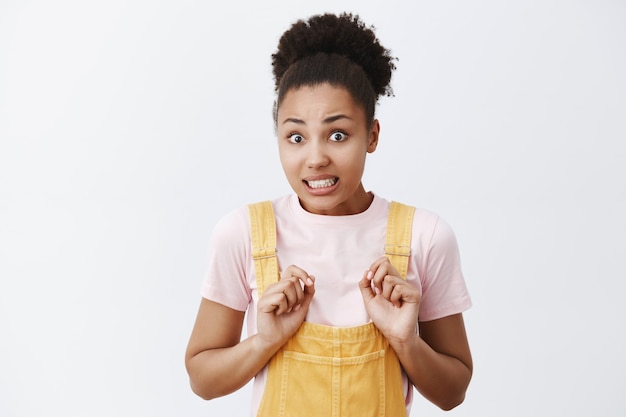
337	250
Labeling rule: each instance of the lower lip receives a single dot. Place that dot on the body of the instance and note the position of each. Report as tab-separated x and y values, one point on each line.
321	191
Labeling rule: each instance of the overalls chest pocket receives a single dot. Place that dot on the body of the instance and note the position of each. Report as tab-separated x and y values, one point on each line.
330	371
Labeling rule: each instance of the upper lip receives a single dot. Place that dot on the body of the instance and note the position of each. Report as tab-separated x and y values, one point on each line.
318	177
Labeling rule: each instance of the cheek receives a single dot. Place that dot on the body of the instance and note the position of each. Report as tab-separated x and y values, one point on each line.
288	160
282	154
354	162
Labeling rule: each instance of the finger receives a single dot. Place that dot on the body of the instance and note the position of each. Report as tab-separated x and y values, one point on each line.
299	279
393	289
384	262
396	297
387	285
365	285
309	284
403	292
273	303
380	269
377	277
304	300
293	292
293	271
289	293
309	292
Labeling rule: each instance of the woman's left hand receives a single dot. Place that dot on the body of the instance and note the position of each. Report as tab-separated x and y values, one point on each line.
391	302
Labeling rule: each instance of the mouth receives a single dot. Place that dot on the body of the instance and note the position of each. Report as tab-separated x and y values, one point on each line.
317	184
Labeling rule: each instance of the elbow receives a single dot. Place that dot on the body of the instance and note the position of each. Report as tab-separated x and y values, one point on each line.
452	397
209	382
452	402
199	385
208	390
201	391
455	395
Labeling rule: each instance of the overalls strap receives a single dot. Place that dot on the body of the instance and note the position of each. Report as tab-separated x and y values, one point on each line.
263	231
398	241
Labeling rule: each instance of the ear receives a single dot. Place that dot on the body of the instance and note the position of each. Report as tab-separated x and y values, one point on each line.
373	136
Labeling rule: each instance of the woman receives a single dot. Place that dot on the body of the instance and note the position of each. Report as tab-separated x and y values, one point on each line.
352	300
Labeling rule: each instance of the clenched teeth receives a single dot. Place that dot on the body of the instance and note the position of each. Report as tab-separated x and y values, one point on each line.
322	183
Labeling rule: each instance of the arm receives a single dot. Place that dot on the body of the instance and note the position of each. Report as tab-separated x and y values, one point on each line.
217	362
437	360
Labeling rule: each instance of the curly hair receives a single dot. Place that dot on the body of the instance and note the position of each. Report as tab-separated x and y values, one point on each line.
338	49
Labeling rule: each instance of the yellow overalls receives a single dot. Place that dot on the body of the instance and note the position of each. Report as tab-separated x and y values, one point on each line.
330	371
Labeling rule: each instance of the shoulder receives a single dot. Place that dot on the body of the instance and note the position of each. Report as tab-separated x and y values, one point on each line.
430	230
236	223
233	222
430	227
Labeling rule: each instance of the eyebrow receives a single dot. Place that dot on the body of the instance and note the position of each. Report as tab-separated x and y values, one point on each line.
327	120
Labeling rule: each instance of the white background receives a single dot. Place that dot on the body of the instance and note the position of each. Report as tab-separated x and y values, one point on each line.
128	128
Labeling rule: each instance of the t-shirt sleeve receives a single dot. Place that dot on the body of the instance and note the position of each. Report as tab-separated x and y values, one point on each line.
225	281
444	291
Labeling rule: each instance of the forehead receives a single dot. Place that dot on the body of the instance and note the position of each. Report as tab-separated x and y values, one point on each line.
319	101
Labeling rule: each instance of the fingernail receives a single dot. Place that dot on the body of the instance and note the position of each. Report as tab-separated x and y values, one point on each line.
370	274
296	308
309	281
376	290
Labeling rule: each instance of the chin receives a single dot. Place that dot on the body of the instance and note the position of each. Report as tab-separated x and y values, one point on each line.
316	205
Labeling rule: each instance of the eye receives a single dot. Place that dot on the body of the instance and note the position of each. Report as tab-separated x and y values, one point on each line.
338	136
295	138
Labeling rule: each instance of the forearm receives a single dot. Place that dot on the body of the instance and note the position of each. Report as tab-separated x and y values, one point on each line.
441	378
217	372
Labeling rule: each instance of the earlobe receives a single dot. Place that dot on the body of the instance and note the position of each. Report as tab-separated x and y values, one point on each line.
373	136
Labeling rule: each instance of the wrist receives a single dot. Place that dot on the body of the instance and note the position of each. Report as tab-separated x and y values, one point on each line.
406	344
264	347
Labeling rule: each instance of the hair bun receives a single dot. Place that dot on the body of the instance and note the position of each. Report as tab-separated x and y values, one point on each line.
344	35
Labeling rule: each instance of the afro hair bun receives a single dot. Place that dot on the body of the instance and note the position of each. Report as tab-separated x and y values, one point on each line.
344	35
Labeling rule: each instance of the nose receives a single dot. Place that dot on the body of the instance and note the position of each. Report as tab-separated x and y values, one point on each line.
317	154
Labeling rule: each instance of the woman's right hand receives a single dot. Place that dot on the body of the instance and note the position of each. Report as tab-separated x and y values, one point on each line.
283	306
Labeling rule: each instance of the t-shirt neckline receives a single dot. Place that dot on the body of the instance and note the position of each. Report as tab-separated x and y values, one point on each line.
371	213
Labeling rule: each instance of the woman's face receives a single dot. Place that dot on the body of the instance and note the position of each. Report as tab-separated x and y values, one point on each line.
323	140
